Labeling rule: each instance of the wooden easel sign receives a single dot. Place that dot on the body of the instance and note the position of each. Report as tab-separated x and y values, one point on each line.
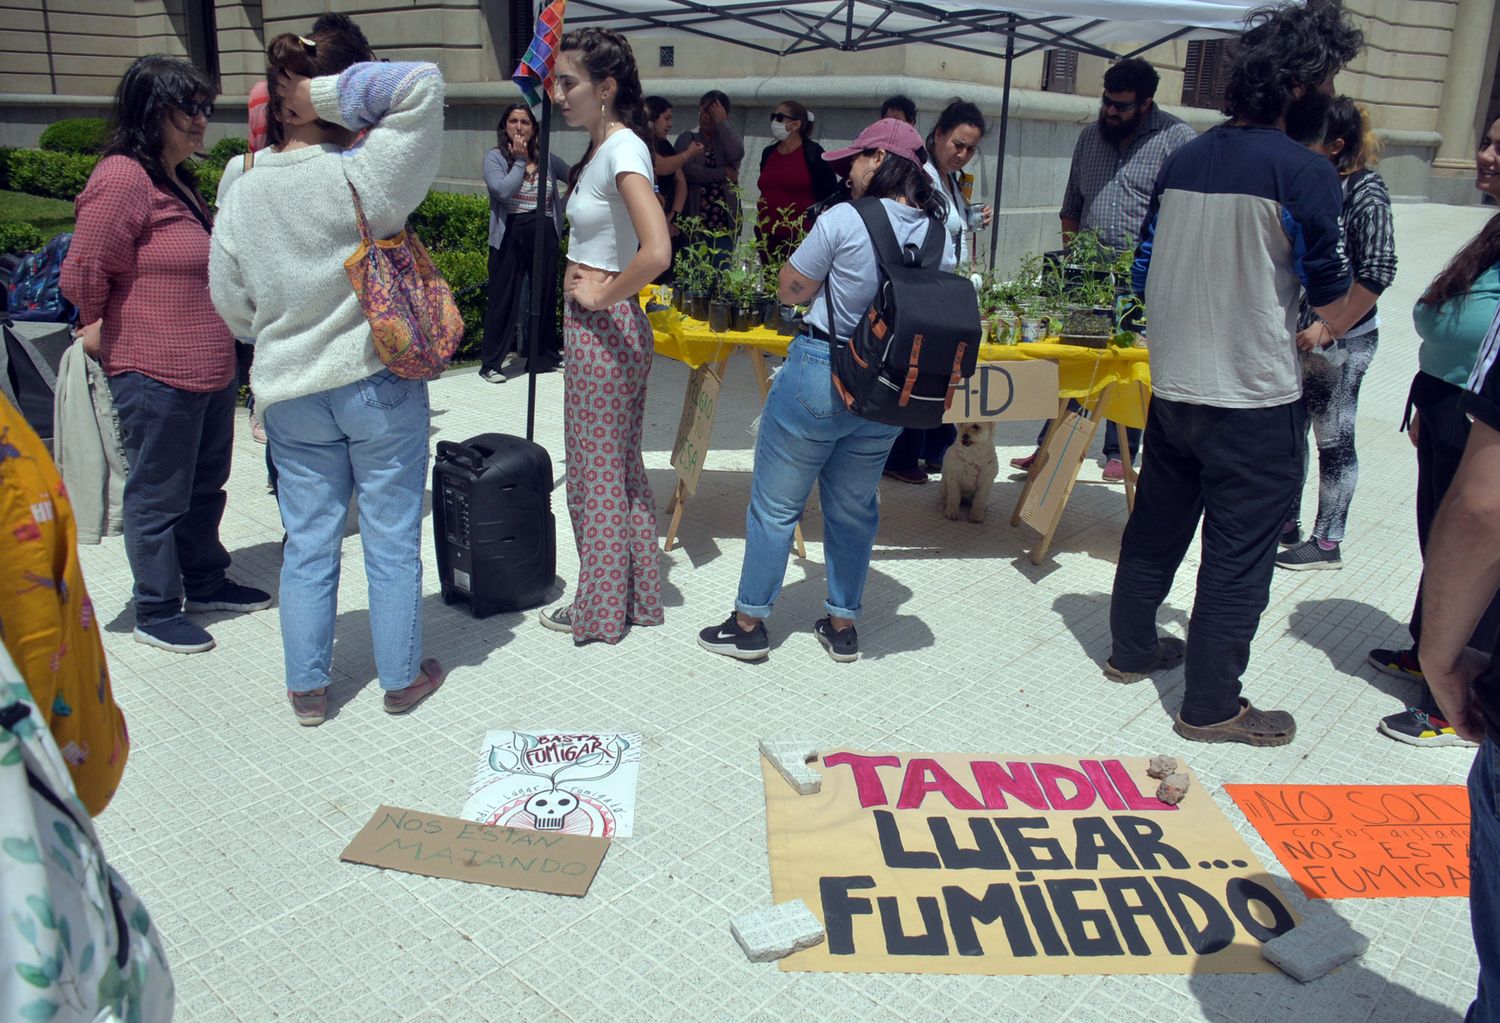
1007	390
696	426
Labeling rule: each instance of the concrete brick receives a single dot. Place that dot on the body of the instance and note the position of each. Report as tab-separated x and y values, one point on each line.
1162	766
1314	947
1172	788
790	758
777	932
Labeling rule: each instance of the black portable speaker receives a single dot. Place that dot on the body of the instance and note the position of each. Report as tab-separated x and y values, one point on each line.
492	523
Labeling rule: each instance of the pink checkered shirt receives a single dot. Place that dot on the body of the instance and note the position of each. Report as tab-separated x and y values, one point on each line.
139	259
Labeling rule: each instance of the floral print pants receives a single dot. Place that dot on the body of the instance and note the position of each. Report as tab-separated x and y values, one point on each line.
609	498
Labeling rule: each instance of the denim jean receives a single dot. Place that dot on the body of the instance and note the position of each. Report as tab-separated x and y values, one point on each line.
807	436
1484	881
177	444
370	439
916	445
1238	469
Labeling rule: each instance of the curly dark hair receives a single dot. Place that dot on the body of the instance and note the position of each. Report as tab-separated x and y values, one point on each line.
1285	46
149	91
1474	258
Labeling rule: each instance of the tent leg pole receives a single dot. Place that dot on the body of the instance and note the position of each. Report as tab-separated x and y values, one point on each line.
1010	53
541	291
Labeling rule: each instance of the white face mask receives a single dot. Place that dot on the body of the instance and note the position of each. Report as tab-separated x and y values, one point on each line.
779	131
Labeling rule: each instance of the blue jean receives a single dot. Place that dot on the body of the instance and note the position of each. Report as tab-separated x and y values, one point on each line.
177	444
367	438
806	436
1484	881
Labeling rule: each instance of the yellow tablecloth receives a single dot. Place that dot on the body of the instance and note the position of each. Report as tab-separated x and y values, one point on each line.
1083	373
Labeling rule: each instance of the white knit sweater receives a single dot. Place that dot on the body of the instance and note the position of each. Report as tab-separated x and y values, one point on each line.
276	269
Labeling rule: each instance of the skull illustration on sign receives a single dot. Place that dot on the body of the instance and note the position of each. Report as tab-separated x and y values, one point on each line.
550	808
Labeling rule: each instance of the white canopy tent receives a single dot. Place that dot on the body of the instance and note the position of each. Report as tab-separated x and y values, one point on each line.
1106	28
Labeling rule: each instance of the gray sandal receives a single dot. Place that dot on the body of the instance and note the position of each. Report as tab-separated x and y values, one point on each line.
1250	726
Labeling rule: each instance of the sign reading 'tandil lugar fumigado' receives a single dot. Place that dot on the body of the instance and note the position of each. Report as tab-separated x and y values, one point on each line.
992	864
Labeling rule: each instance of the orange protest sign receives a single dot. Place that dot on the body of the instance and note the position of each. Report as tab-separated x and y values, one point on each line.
1364	841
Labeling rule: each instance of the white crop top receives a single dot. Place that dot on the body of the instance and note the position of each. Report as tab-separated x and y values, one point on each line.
600	233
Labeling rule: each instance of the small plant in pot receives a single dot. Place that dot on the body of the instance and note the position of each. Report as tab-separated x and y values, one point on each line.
742	286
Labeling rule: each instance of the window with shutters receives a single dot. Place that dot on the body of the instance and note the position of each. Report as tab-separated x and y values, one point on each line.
523	14
1060	71
1206	73
201	35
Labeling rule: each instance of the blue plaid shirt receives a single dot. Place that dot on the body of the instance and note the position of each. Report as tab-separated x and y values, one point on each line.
1109	190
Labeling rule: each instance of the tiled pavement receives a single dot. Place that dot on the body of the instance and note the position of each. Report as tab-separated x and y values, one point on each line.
230	818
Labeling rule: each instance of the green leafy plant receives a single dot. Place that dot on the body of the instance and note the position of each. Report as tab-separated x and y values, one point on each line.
467	273
448	221
5	155
85	135
209	175
224	150
59	175
17	237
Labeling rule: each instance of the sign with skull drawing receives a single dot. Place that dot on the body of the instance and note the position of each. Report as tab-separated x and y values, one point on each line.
560	781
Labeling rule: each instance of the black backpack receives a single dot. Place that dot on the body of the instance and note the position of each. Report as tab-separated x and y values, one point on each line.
918	340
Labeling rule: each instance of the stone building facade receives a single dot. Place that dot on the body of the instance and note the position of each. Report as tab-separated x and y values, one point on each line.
1428	76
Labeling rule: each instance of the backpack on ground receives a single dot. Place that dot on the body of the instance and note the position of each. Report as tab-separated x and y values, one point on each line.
34	292
918	340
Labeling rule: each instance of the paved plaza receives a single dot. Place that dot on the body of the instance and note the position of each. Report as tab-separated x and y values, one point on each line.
230	818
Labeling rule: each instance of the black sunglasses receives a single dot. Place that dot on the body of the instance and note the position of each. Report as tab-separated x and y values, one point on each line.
1114	104
779	117
193	109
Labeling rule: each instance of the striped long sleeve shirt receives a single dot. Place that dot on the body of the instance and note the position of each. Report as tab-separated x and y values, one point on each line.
1369	243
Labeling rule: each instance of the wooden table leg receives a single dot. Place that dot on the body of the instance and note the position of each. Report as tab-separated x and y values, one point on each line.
679	498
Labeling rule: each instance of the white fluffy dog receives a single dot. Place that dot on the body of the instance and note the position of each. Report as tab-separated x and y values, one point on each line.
969	470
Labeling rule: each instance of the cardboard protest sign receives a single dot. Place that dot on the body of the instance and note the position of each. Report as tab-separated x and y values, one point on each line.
988	864
1006	390
436	846
1364	841
570	781
696	426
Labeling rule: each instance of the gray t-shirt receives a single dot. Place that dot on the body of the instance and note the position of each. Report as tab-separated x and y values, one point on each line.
838	252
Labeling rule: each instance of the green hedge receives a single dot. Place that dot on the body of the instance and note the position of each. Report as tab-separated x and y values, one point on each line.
463	271
17	237
84	135
224	150
449	222
208	181
6	153
58	175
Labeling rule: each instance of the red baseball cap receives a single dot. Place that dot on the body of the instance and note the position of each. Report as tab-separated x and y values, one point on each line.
891	134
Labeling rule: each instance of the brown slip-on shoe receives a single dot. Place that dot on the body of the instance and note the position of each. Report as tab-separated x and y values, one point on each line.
1250	726
1170	652
311	707
400	701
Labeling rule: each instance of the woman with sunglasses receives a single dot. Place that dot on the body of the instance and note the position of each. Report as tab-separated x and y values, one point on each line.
138	273
793	176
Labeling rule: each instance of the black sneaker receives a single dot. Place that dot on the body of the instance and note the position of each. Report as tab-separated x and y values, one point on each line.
1309	556
178	635
842	645
1416	727
732	641
1290	536
1400	664
230	596
493	376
